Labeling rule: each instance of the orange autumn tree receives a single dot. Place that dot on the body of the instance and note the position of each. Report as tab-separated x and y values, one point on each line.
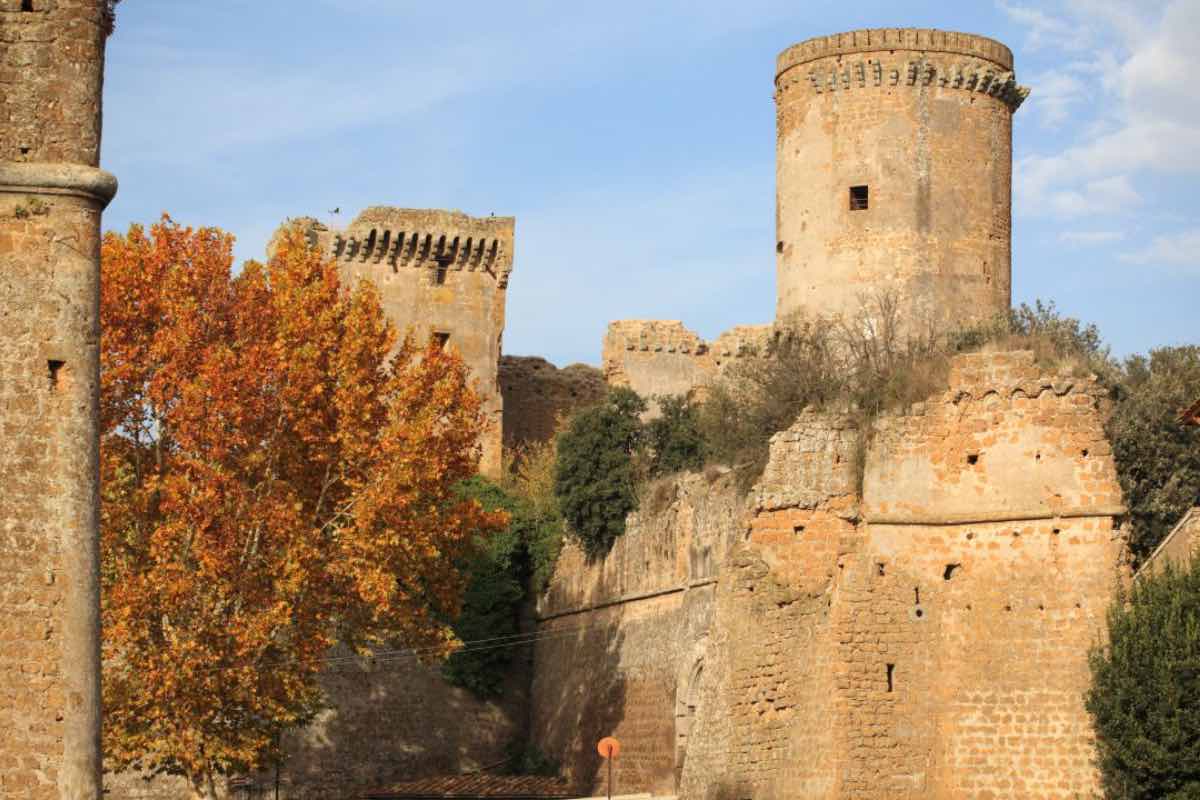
278	475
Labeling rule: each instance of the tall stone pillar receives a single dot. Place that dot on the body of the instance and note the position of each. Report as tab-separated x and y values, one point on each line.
51	196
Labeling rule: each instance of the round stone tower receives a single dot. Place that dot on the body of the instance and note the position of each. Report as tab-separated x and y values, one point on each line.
894	174
51	196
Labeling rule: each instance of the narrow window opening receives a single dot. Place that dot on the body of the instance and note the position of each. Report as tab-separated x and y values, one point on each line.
27	5
54	369
858	198
797	529
973	459
439	277
917	595
948	573
779	247
891	674
1085	453
25	151
440	339
880	568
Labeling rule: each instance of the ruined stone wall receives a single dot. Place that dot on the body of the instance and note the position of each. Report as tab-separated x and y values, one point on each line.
444	274
536	394
622	640
923	120
388	720
929	640
51	196
662	357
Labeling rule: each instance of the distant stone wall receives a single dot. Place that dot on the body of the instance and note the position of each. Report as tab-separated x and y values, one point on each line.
388	720
536	393
662	357
1179	546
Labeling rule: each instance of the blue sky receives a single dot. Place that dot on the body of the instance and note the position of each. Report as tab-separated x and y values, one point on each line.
635	143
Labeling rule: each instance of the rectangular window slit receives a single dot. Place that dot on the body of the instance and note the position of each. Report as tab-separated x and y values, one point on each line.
27	5
440	276
858	198
53	369
891	669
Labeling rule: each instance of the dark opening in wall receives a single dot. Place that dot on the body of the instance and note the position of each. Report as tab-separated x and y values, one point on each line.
779	247
1085	453
53	370
858	198
439	277
797	529
27	5
948	573
973	459
891	672
880	568
440	339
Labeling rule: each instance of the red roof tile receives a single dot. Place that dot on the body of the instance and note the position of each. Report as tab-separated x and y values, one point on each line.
479	785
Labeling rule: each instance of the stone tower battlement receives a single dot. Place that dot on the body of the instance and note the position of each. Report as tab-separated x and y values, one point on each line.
894	173
442	274
430	239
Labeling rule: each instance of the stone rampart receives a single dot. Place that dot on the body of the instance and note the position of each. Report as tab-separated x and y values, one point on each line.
923	636
662	357
537	394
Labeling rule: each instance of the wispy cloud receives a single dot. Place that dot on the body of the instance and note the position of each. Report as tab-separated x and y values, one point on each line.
1089	238
1176	250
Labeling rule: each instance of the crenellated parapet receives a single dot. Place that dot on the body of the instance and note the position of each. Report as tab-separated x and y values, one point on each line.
846	75
428	239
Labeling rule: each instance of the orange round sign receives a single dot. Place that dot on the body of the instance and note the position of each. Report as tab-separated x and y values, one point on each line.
608	747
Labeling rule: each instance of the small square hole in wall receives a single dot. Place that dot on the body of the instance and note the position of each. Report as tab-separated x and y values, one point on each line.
797	529
973	459
440	339
949	571
858	198
54	372
880	568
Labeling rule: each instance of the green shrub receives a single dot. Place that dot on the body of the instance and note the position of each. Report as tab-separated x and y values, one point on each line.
673	438
1145	695
530	477
1158	458
595	478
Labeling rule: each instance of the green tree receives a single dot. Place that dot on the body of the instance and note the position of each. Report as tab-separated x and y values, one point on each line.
674	437
595	477
1158	457
1145	695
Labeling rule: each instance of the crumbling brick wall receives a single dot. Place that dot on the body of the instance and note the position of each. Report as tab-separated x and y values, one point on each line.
537	394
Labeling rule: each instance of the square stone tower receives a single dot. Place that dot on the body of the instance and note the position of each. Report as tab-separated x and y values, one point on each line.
51	196
443	274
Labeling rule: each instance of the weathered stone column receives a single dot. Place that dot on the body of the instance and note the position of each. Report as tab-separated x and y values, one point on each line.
51	196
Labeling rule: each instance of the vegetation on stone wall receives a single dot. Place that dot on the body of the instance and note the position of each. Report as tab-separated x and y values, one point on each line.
869	365
1145	697
503	569
277	477
1158	457
672	439
596	476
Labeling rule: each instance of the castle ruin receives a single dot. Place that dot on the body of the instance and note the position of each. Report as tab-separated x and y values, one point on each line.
51	196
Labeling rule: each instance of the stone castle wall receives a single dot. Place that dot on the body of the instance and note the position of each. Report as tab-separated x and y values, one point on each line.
926	636
921	119
537	394
51	196
662	357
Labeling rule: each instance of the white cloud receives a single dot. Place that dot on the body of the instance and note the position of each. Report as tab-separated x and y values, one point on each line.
1090	238
1145	111
1172	250
1047	31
